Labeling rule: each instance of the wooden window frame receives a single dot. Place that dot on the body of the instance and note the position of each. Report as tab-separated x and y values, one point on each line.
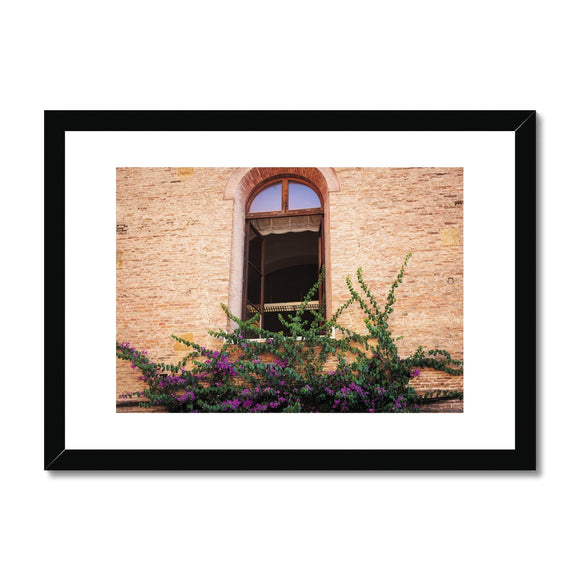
284	212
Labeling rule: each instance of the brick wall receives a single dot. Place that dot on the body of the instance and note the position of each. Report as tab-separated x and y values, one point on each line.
174	235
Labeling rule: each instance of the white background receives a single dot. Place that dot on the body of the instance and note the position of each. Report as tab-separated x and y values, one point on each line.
91	421
184	55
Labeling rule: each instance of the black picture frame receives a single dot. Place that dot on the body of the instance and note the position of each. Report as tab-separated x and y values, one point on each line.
522	457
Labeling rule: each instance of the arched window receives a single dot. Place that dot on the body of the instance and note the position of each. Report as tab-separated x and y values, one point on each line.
284	248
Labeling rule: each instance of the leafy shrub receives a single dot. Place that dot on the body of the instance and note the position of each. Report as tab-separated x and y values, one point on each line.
304	369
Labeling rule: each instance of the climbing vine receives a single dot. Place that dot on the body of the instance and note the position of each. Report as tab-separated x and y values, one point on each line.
304	369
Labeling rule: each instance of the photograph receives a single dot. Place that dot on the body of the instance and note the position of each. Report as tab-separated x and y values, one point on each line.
289	289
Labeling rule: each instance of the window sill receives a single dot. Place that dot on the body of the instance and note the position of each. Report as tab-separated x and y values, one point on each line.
258	340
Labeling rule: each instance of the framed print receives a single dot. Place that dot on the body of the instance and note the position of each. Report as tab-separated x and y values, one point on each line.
290	290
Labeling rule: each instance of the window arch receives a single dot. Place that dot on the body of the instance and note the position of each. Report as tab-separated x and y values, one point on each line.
242	183
284	248
288	196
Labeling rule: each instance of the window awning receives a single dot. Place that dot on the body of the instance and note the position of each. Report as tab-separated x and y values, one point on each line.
286	225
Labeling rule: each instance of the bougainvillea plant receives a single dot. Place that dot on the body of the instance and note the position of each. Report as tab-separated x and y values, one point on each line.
305	369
